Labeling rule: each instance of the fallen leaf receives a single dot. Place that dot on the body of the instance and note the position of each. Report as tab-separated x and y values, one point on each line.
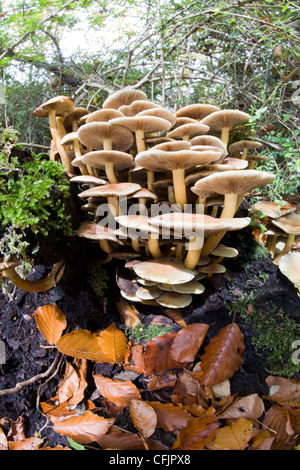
128	315
223	355
250	407
278	421
162	380
175	315
113	344
31	443
187	342
123	440
286	392
84	428
262	441
51	322
143	417
197	433
3	441
157	354
72	386
119	392
170	417
233	437
135	360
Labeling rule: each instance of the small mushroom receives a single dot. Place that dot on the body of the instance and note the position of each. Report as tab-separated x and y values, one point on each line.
141	224
163	270
174	300
93	231
289	265
197	111
110	161
224	121
105	136
290	224
243	146
187	131
137	107
125	96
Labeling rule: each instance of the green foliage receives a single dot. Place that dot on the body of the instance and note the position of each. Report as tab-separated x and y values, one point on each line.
143	333
32	198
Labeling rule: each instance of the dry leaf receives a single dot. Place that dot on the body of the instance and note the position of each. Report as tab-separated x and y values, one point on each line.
128	315
250	407
262	441
162	380
122	440
135	360
175	315
31	443
187	342
277	419
170	417
113	344
51	322
3	441
197	433
233	437
59	411
157	354
223	355
73	385
284	391
85	428
119	392
143	417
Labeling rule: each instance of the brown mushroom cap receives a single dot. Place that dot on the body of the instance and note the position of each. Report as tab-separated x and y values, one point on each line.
225	251
123	97
119	189
174	300
159	160
273	209
87	179
137	106
93	231
229	118
164	270
137	222
210	140
98	159
174	145
289	223
188	130
232	182
60	104
243	144
144	123
289	265
73	117
160	112
236	163
197	111
94	134
103	115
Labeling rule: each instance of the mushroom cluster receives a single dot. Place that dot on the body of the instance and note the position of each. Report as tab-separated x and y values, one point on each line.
159	188
281	224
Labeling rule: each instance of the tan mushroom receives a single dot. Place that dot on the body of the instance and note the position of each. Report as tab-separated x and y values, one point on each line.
109	161
141	223
232	184
93	231
188	131
253	159
158	111
243	146
174	300
177	162
137	107
163	270
103	115
289	265
71	119
211	141
197	111
105	136
290	224
224	121
58	106
125	96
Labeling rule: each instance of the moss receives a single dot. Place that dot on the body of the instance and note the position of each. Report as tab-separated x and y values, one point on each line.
142	333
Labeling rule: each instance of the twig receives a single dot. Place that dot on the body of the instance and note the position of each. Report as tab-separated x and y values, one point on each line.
26	383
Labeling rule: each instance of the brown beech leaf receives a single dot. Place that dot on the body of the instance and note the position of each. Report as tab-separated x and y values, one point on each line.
121	440
134	359
31	443
175	315
187	342
3	441
223	355
286	392
82	344
59	411
113	344
197	433
51	322
233	437
170	417
162	380
73	384
84	428
128	315
278	420
250	407
157	354
143	417
262	441
119	392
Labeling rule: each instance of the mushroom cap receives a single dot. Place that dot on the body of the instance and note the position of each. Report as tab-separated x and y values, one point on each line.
225	118
159	160
257	157
289	265
93	134
137	222
180	121
289	223
210	140
91	230
69	138
119	189
99	158
237	163
273	209
191	129
61	104
145	193
174	300
197	110
125	96
160	112
87	179
164	270
225	251
137	106
174	145
191	287
143	123
74	115
243	144
188	223
103	115
232	182
212	268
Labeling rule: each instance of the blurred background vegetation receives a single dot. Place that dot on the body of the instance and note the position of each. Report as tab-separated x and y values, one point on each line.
237	54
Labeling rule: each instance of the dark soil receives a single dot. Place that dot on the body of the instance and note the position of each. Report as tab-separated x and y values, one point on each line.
26	357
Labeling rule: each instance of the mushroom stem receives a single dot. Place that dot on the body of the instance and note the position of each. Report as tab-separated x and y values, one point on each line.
104	245
179	187
287	248
36	286
271	244
229	209
192	256
107	144
244	154
140	140
153	245
110	173
225	135
56	137
150	179
113	203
